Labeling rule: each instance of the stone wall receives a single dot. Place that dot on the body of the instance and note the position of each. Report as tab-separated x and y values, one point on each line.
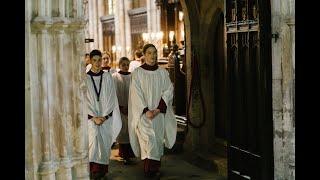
55	143
283	83
200	16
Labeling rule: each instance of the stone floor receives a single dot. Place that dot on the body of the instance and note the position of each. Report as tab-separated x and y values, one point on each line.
173	167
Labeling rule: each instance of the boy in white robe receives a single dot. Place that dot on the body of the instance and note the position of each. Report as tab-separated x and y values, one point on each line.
137	61
122	81
87	62
104	121
151	119
106	61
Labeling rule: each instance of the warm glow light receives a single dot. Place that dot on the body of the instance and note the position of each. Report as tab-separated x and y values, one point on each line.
153	35
113	48
182	34
145	36
128	48
119	48
159	35
180	15
171	34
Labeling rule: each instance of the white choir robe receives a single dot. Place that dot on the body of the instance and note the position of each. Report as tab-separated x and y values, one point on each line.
122	83
133	65
147	138
111	71
88	68
102	137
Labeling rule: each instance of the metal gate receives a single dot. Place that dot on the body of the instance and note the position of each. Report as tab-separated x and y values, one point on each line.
249	127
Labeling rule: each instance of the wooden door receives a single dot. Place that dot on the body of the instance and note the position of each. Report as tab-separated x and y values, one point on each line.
250	131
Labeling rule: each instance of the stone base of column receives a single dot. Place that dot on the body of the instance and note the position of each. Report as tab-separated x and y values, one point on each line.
82	170
47	170
65	172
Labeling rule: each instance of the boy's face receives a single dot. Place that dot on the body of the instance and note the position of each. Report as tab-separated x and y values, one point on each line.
105	60
96	61
151	56
124	66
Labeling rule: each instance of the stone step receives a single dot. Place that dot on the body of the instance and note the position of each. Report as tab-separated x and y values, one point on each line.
209	161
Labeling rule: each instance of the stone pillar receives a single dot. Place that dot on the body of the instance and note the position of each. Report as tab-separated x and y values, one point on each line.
95	24
128	50
119	30
122	29
41	8
91	24
80	118
149	17
53	48
158	29
100	30
47	167
79	9
62	10
64	75
283	84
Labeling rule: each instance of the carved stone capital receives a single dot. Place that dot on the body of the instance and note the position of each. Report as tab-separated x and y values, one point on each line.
41	24
60	24
77	24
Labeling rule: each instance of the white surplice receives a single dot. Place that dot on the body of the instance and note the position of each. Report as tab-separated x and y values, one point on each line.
101	137
122	83
133	65
147	138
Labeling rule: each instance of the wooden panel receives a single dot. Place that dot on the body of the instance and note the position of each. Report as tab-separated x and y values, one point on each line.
249	82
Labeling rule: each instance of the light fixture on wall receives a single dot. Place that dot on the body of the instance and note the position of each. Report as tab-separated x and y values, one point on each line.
154	38
180	15
113	48
171	34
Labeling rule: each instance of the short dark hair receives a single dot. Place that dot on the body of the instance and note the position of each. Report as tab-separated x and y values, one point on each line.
138	53
123	59
95	52
87	54
145	47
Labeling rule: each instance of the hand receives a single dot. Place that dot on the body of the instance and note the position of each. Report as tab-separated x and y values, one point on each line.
98	120
149	115
155	112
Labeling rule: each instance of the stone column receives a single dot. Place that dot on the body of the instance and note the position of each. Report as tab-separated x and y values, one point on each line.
79	8
119	30
95	24
64	75
48	9
80	119
62	10
47	167
90	24
122	29
100	31
41	8
149	17
158	29
128	49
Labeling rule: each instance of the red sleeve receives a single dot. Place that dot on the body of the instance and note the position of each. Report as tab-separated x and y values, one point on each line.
162	106
145	110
